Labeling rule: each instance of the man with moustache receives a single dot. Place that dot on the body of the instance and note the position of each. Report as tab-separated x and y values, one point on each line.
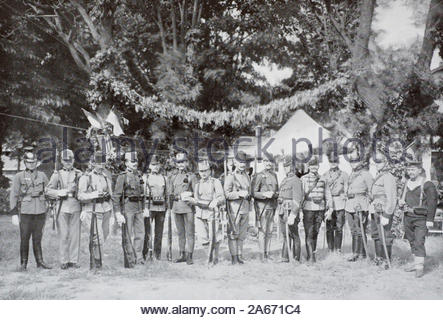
181	188
156	191
63	186
28	204
238	193
265	193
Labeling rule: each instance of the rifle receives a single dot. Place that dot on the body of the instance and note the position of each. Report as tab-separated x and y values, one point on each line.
169	253
93	234
55	217
213	239
286	214
129	255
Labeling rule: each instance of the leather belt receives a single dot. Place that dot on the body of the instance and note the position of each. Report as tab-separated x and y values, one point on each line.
135	198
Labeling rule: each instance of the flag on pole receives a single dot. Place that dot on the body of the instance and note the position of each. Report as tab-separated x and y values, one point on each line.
113	119
93	120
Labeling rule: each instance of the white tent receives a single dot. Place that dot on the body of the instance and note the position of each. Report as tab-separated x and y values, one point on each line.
299	131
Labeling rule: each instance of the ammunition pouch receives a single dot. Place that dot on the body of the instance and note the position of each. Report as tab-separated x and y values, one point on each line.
420	211
103	199
36	194
157	201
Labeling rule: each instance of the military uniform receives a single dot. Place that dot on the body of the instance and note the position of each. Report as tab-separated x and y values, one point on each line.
95	192
208	190
317	200
265	181
383	196
291	196
337	182
180	184
238	209
156	190
357	202
420	200
68	220
128	199
27	199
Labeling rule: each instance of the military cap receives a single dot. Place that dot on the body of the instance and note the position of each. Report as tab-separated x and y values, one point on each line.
413	160
181	157
154	160
241	156
67	155
29	157
203	165
269	157
99	157
333	157
287	161
313	161
131	156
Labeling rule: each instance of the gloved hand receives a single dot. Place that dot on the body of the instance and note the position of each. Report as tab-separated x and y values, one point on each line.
15	220
146	213
268	194
111	221
243	193
401	203
384	221
328	215
291	219
62	193
83	216
429	224
120	218
213	204
279	200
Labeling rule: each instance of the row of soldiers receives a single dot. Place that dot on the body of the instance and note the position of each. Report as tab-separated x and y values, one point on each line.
139	201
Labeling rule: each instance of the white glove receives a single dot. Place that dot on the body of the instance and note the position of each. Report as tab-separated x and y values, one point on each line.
291	219
384	221
213	204
401	203
62	193
14	220
268	194
328	215
146	213
120	218
242	193
83	216
429	224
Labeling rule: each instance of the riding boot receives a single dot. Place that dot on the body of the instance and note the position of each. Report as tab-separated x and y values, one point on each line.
361	245
182	257
419	267
189	260
240	260
379	256
338	240
215	253
23	264
24	257
296	250
330	239
39	258
355	249
234	259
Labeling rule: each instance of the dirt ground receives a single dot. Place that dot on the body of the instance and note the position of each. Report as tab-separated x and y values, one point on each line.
331	278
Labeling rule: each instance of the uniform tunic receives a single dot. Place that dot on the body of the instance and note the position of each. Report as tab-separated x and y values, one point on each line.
130	185
29	188
66	179
156	187
181	182
337	182
360	182
320	196
264	182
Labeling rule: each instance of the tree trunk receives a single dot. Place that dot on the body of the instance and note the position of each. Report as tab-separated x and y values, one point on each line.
433	18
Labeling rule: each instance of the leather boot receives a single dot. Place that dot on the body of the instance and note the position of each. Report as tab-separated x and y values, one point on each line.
361	246
296	251
314	258
182	257
355	249
240	260
234	259
378	246
419	267
39	259
338	240
330	239
215	253
23	264
189	259
410	267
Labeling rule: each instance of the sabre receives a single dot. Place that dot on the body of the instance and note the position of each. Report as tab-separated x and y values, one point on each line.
383	238
286	213
365	245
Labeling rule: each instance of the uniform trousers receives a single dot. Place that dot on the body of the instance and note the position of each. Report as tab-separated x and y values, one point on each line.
294	237
68	225
186	231
312	220
102	227
159	220
415	232
31	225
334	229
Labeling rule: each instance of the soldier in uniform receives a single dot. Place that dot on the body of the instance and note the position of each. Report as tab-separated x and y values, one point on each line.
28	204
317	201
290	198
156	191
337	182
63	186
208	196
181	188
128	199
238	193
383	196
357	203
95	192
265	193
419	202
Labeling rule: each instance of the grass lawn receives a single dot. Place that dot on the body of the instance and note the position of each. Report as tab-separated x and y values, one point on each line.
331	278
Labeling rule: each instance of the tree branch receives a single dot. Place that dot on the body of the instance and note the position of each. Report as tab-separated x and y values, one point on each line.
162	30
174	26
92	28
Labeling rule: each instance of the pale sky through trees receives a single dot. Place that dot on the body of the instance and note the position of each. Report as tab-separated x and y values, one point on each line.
395	28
